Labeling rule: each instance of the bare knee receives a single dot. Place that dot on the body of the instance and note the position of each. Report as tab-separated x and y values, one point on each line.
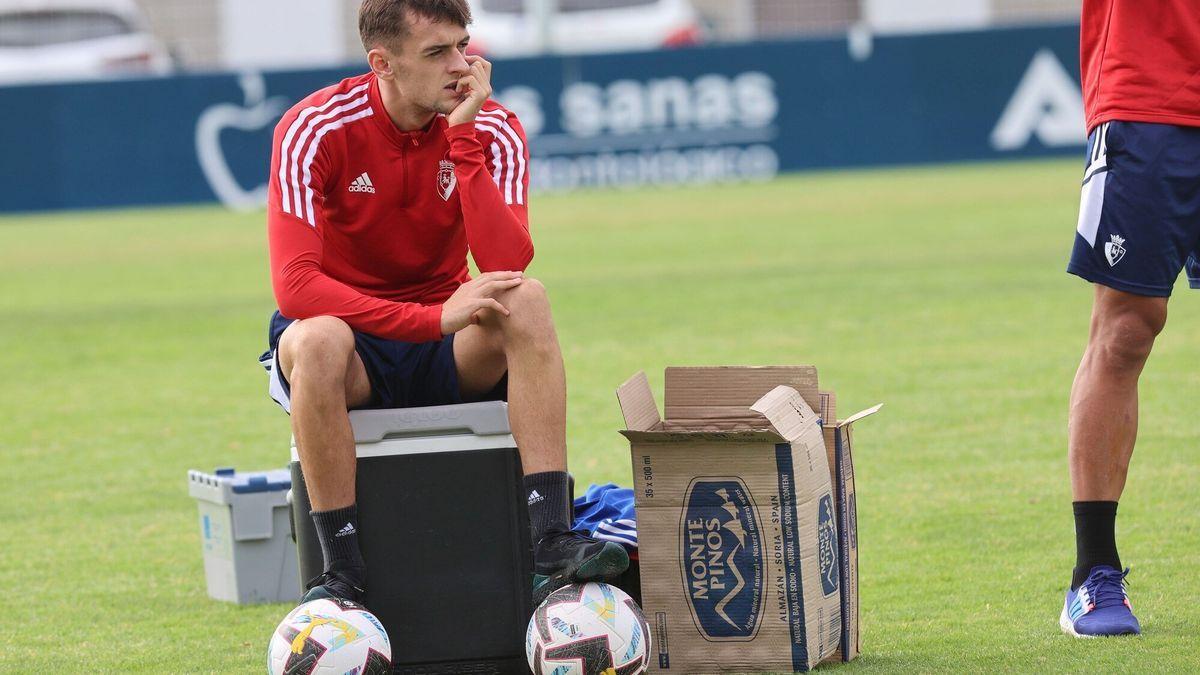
529	311
1123	333
528	300
316	350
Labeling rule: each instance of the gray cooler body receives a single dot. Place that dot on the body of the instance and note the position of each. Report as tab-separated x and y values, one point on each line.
444	530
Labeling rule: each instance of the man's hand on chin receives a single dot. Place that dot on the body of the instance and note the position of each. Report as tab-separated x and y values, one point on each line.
476	87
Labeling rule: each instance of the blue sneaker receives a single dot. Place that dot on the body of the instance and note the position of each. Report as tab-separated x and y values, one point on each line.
1100	606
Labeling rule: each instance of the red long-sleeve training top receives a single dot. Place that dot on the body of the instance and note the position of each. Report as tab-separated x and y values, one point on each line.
1140	61
372	224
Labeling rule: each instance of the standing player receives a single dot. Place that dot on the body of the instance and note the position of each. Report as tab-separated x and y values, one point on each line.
379	187
1139	225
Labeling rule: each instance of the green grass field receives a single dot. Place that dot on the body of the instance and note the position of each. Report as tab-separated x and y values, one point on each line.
128	342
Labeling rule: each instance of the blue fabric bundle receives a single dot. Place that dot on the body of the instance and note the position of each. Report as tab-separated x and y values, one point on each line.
607	512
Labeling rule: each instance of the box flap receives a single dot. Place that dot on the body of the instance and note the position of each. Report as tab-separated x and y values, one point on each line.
859	415
744	436
787	411
752	421
637	404
828	408
727	392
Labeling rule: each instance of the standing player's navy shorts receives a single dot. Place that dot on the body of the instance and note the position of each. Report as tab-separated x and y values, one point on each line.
402	374
1139	216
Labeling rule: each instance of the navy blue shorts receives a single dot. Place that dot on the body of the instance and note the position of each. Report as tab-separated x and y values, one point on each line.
1139	215
402	374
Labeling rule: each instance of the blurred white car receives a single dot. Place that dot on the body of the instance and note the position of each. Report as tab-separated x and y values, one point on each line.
504	28
54	40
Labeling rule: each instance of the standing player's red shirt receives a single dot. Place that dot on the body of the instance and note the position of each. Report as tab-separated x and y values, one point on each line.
1140	61
372	224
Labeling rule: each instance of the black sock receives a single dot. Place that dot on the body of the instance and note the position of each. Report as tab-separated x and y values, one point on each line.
549	495
338	532
1095	538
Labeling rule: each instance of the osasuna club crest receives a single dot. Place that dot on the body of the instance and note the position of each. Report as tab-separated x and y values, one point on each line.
446	179
1114	250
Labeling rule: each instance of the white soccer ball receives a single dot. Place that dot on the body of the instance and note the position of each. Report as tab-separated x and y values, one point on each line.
588	628
329	637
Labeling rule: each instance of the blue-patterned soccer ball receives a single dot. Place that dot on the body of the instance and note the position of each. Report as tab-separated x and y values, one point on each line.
589	628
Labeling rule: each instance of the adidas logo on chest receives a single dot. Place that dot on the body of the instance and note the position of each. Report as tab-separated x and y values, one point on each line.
363	184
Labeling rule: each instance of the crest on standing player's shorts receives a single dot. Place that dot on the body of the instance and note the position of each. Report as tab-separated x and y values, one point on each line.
1114	250
446	179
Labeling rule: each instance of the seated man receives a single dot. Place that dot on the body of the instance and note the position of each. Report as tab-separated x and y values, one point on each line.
379	186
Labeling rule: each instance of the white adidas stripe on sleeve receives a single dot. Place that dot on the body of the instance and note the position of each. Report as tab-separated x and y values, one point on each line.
301	175
290	140
509	166
312	153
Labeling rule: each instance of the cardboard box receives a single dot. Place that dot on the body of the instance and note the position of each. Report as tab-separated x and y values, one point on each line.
839	446
743	521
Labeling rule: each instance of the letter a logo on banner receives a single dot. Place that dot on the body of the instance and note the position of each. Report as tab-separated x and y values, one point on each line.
1047	102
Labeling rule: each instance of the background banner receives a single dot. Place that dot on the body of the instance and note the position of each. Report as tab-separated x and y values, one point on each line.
709	114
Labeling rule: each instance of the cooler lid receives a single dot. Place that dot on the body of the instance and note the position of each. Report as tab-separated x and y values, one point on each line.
488	418
260	481
446	428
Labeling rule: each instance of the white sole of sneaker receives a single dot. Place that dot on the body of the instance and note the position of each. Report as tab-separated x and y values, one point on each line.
1068	626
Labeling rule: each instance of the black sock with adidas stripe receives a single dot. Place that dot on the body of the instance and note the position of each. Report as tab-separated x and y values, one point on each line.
337	531
549	495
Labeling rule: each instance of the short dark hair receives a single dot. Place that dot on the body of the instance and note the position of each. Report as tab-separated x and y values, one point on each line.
386	21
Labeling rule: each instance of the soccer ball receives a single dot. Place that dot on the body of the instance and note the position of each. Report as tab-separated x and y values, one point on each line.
588	628
329	637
